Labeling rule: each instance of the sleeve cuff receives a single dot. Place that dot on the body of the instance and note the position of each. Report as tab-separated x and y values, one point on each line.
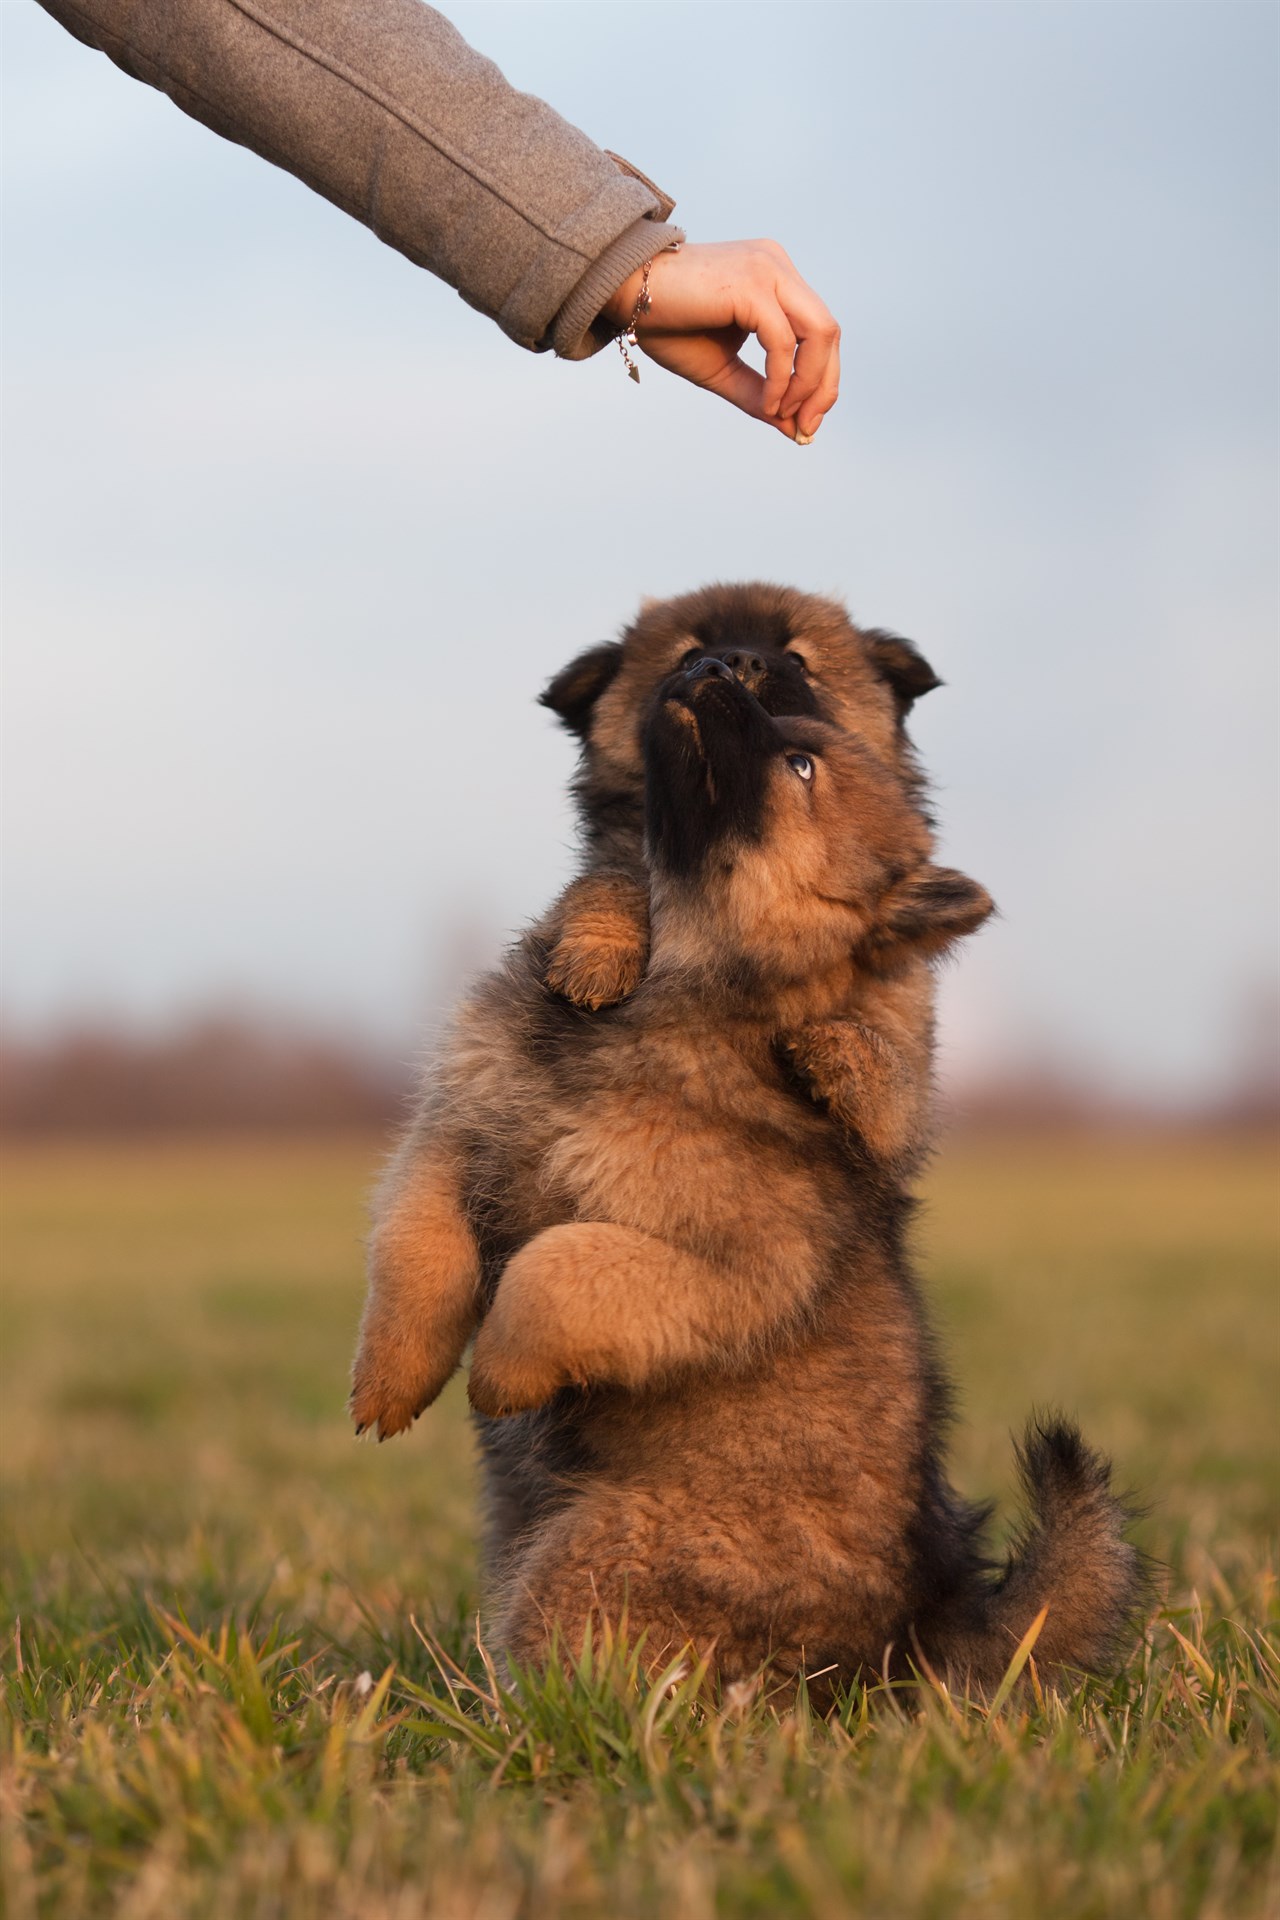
577	330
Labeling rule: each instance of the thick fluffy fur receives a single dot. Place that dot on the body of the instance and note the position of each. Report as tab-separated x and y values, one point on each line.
799	654
707	1395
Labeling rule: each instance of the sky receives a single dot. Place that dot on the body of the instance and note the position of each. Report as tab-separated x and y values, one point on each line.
293	536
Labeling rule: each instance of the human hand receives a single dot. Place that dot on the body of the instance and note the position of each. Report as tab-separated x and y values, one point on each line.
707	300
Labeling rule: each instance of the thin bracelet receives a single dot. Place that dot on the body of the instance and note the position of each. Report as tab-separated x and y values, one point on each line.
627	338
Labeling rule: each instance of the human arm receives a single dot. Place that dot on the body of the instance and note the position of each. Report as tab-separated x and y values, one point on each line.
383	108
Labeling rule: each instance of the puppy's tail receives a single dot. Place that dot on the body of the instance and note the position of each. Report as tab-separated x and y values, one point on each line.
1069	1556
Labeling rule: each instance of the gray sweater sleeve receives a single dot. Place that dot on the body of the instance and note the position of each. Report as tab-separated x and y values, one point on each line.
382	107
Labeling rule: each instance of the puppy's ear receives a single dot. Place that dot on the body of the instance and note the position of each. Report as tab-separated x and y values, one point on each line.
930	910
576	688
904	667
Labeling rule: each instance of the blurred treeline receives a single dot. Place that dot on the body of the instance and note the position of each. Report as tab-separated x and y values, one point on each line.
234	1072
220	1073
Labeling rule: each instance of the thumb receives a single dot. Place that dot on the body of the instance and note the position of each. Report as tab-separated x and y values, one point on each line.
744	388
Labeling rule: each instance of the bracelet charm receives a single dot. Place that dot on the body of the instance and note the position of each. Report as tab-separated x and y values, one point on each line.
627	338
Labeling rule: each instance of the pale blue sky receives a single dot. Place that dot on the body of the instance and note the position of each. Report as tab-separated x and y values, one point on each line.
294	537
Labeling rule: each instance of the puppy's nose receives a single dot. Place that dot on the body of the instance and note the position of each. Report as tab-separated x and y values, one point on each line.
747	667
708	668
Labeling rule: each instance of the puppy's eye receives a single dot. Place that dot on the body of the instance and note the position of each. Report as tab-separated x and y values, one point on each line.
800	661
801	763
687	659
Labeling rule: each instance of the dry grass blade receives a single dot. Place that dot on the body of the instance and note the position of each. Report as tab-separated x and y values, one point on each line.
1194	1655
1018	1662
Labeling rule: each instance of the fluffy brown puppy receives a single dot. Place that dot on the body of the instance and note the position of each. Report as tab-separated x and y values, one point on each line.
709	1400
799	654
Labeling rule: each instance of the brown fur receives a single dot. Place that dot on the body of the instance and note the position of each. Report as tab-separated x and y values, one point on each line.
424	1281
601	947
708	1399
873	1072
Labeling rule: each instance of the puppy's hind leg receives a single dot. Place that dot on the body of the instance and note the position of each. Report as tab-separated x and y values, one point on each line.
579	1577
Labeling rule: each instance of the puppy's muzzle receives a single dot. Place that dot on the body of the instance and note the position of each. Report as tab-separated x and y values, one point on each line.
709	668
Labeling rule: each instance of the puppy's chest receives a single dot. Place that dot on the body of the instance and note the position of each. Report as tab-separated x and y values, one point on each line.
683	1144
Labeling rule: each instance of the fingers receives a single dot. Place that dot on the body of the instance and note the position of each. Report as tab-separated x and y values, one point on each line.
803	392
802	351
744	388
773	330
710	360
814	385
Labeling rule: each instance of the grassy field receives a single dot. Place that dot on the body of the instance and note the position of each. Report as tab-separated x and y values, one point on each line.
229	1627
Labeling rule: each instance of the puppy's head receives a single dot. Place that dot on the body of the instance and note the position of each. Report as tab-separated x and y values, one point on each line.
779	845
797	653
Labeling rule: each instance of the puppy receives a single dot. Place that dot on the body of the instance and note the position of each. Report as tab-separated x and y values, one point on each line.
708	1399
799	655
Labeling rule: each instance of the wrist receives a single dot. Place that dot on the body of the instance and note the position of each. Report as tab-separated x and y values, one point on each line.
620	306
584	324
632	306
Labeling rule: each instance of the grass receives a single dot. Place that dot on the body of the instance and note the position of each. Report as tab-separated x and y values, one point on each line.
240	1669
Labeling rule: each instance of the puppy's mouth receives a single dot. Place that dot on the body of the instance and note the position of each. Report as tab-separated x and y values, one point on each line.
778	683
708	683
711	710
707	747
722	682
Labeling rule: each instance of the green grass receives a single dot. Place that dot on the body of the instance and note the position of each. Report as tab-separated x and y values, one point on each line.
239	1665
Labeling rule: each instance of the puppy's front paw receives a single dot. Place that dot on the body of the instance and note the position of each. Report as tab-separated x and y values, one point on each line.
596	966
818	1056
371	1405
865	1083
376	1401
504	1382
391	1384
519	1360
